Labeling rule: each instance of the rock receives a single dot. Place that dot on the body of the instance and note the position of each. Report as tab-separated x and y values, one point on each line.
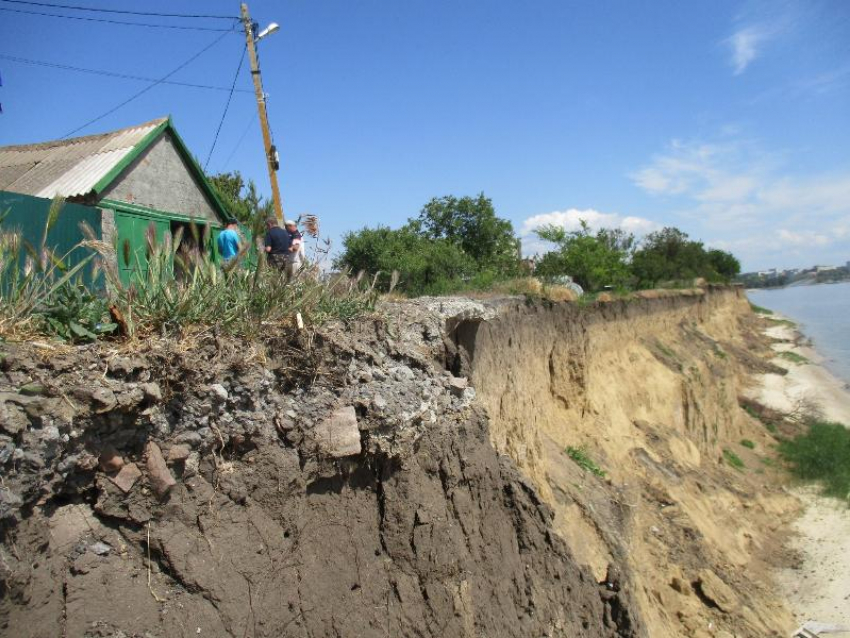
192	465
13	420
100	548
51	433
178	453
219	392
104	398
127	477
110	461
32	389
402	373
716	591
192	438
458	385
152	391
159	475
379	403
338	435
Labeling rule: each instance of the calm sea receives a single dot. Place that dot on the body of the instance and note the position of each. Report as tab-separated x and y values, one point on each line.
823	312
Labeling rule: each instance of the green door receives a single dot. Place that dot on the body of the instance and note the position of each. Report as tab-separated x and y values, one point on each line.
132	231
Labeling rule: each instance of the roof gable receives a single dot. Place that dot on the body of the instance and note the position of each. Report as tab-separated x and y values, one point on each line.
88	165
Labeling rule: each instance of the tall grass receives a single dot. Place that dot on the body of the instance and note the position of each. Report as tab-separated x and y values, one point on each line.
174	286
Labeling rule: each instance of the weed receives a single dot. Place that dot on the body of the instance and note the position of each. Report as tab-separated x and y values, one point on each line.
768	461
733	459
580	456
794	357
667	352
748	444
760	310
821	455
782	322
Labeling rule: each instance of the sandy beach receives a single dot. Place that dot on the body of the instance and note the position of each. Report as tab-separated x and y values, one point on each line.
819	589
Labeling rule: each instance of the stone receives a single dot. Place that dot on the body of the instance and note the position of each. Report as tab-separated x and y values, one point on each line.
104	398
338	435
100	548
716	591
191	465
159	476
13	420
127	477
403	373
458	385
178	453
219	392
152	391
110	461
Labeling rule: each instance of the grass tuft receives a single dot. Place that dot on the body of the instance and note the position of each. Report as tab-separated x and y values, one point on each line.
760	310
748	444
580	456
733	459
793	357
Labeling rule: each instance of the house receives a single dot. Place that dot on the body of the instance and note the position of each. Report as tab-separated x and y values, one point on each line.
121	183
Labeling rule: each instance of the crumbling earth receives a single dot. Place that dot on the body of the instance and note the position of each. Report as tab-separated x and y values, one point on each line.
337	483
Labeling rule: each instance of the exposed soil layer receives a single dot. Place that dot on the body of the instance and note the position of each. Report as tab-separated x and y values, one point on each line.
333	484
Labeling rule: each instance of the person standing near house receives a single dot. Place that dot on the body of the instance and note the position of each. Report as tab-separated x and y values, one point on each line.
278	243
295	257
228	242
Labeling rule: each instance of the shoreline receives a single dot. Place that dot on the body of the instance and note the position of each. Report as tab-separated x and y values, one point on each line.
818	589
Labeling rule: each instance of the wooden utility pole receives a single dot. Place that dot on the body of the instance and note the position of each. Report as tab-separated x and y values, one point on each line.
261	108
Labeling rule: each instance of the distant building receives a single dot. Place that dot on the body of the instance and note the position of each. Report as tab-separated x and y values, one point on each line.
825	268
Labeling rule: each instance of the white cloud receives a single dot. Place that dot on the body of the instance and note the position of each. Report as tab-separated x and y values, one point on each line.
749	201
571	219
745	46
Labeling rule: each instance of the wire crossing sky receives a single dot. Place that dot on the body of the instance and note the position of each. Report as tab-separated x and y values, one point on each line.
729	119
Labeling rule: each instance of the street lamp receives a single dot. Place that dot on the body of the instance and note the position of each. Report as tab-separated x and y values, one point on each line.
274	26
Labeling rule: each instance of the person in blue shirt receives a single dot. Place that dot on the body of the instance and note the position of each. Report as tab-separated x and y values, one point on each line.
228	242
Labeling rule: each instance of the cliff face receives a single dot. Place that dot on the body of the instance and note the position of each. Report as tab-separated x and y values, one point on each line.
349	483
339	484
648	390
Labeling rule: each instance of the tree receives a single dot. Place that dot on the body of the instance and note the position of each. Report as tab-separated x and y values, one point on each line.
725	264
592	260
472	224
424	265
241	200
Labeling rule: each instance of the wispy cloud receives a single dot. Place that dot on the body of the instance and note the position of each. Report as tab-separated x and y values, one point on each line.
755	28
745	46
747	199
571	219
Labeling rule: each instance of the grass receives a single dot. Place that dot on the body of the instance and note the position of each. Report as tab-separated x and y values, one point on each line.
782	322
748	444
580	456
821	455
733	459
769	425
760	310
667	352
794	357
172	290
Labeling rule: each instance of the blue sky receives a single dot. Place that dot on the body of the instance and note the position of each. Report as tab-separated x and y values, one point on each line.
730	120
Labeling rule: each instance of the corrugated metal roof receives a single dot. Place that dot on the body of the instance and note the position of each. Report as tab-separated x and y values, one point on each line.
68	168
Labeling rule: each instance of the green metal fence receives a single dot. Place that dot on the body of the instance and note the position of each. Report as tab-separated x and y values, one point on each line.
28	216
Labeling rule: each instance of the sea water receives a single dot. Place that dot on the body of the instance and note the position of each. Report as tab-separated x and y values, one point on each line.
823	314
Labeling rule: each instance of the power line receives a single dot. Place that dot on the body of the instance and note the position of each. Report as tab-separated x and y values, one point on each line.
149	87
226	106
123	76
251	122
122	11
121	22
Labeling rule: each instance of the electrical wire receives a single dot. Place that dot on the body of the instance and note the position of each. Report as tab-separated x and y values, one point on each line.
135	13
121	22
226	106
251	122
149	87
112	74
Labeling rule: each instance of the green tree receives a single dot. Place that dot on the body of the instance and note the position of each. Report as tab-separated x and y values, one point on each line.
668	255
425	266
472	224
725	264
593	260
241	200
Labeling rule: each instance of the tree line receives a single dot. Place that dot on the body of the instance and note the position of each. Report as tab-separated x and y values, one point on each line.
460	243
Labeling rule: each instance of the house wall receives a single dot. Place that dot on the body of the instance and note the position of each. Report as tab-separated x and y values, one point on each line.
160	179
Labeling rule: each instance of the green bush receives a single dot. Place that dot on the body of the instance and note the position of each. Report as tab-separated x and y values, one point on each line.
748	444
733	459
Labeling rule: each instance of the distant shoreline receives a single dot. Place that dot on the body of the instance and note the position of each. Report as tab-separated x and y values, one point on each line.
799	285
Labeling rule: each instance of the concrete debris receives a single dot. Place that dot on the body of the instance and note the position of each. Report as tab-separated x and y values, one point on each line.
159	476
338	435
127	477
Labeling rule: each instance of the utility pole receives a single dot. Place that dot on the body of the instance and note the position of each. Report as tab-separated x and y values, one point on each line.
261	108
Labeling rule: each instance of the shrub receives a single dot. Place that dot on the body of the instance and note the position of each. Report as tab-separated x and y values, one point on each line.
748	444
733	459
